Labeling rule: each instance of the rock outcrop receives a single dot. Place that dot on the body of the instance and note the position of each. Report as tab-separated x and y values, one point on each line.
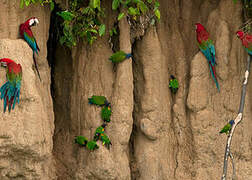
155	134
26	133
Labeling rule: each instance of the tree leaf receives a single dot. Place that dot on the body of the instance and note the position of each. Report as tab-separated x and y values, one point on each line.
114	30
66	15
142	6
132	11
51	5
157	13
235	1
95	4
92	30
102	29
22	4
156	5
149	1
27	2
110	32
115	4
120	16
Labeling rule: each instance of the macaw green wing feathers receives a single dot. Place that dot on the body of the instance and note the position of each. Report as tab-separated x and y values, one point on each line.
31	41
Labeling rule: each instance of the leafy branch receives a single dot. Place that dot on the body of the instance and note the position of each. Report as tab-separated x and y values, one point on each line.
42	3
236	122
247	6
83	19
136	7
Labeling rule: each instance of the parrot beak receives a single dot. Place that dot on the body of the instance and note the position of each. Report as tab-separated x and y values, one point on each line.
36	21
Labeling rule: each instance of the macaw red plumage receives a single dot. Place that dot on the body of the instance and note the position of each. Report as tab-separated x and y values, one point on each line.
246	41
10	91
207	48
26	33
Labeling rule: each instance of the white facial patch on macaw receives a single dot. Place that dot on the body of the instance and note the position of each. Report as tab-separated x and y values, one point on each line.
31	22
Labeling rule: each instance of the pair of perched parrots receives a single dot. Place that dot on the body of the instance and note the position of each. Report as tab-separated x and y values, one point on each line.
102	101
10	91
207	48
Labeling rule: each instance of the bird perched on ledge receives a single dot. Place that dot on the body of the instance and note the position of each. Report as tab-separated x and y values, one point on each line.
227	127
246	41
119	56
10	91
207	48
81	140
106	113
98	100
173	84
26	33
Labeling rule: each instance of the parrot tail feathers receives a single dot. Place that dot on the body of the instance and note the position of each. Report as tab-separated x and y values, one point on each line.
214	76
16	96
9	94
35	63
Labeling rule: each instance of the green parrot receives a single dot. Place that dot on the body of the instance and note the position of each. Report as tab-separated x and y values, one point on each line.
99	131
119	56
98	100
227	127
105	140
91	145
173	84
106	113
81	140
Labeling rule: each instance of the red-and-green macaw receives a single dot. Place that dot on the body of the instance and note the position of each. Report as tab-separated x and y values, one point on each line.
10	91
207	48
246	41
26	33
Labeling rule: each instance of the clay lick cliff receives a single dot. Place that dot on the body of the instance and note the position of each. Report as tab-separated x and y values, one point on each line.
155	134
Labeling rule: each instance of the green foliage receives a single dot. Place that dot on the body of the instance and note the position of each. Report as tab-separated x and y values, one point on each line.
137	7
42	2
247	6
83	19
